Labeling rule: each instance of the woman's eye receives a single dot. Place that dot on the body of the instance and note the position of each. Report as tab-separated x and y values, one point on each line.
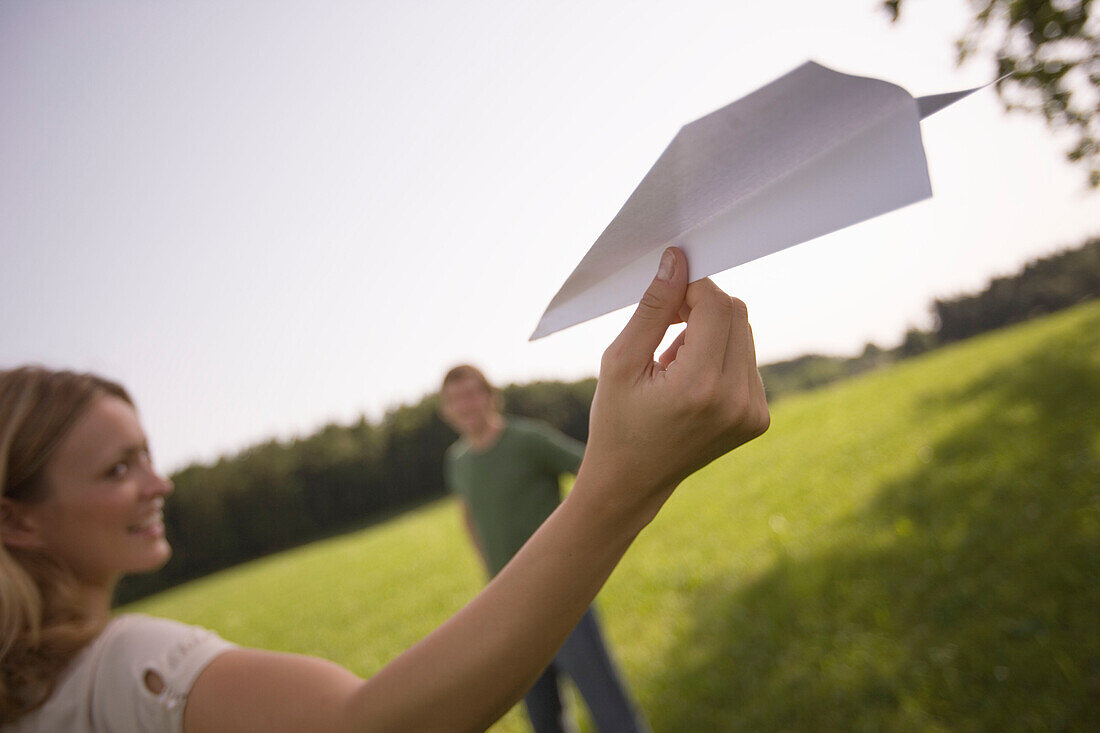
118	470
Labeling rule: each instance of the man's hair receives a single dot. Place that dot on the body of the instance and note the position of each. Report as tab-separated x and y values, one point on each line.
467	371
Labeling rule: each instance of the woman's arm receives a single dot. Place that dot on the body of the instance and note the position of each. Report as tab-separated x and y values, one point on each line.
652	425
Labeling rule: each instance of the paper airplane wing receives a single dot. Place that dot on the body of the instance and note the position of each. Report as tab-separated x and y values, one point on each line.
810	153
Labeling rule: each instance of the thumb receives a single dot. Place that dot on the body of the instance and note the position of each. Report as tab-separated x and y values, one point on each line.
658	309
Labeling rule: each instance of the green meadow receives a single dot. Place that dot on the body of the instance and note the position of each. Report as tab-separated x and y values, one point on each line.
914	549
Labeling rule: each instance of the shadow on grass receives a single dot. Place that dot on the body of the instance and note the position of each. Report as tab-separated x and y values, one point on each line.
966	596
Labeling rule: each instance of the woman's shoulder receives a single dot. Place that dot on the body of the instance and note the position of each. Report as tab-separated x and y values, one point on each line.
147	665
134	644
134	676
103	687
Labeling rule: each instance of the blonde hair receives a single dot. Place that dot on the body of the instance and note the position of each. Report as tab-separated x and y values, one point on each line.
42	626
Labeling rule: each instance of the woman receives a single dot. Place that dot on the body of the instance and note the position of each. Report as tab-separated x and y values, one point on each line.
82	506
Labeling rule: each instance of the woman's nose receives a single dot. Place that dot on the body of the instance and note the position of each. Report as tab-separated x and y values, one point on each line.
157	485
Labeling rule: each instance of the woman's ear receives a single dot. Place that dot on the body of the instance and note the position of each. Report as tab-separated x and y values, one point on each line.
17	526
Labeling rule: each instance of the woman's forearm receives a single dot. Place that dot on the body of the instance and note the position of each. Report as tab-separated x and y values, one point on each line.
652	424
473	668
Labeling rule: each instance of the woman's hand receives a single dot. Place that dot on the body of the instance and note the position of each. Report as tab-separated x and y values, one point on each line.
656	422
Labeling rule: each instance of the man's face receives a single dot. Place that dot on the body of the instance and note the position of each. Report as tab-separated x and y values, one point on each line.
466	405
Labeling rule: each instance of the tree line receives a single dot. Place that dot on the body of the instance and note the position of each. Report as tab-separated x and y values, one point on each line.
1043	286
278	494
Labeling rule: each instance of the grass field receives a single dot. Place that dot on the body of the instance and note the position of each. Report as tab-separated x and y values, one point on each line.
915	549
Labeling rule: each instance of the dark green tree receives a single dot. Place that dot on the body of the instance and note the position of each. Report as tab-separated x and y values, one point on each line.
1050	49
916	342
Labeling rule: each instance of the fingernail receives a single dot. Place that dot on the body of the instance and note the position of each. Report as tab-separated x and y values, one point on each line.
667	267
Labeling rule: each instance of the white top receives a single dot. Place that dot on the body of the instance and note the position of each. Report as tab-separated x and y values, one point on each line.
103	689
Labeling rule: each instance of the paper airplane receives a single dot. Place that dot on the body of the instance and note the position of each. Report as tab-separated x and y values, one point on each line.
812	152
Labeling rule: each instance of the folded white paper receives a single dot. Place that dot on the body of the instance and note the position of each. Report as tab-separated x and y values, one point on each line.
812	152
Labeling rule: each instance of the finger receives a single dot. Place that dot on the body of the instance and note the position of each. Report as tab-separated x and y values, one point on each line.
741	369
707	334
670	353
741	351
657	310
683	313
750	350
758	396
756	382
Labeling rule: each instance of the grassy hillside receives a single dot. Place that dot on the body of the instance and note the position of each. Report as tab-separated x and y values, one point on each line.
915	549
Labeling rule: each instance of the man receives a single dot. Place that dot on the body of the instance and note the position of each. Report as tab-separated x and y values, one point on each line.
506	472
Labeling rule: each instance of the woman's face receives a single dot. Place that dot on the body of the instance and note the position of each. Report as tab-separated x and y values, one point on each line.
102	511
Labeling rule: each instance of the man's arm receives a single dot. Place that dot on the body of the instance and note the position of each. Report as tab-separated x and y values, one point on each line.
475	536
467	515
555	451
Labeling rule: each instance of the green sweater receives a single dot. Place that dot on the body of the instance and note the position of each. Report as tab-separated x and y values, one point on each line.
512	487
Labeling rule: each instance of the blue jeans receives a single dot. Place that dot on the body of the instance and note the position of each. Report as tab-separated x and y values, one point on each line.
584	657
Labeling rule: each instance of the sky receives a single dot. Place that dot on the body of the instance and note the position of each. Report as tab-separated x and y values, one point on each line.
265	216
